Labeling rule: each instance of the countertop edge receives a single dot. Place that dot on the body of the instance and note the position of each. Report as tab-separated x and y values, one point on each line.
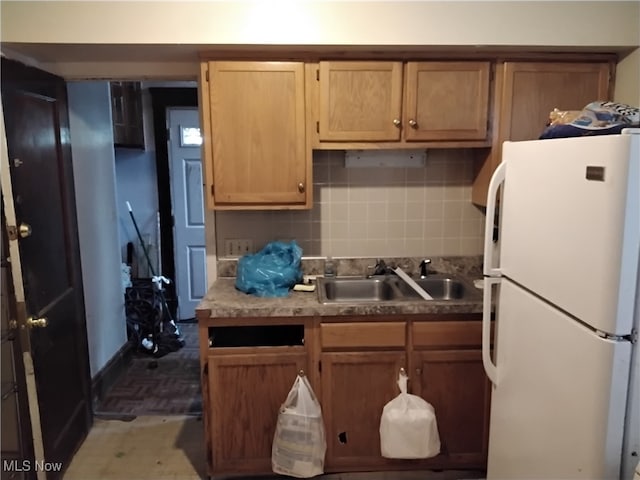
223	300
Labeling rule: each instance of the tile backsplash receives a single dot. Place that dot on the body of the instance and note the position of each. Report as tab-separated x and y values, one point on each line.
372	212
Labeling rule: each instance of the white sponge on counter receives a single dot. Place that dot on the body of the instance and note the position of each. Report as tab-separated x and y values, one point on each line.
298	287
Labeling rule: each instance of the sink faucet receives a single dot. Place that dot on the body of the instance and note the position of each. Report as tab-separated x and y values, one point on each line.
380	268
423	267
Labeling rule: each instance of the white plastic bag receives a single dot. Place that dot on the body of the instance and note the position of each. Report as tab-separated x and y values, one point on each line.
408	427
299	444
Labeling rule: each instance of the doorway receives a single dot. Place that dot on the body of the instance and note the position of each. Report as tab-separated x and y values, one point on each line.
185	165
163	99
170	384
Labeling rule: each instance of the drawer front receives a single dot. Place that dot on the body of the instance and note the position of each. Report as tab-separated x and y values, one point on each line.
358	334
447	334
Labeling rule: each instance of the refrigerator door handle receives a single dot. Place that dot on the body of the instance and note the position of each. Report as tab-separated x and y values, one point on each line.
490	368
492	195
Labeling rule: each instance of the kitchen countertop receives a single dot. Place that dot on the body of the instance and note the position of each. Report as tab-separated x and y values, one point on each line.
223	300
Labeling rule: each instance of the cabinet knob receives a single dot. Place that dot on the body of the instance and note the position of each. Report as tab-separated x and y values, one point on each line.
413	123
301	187
396	122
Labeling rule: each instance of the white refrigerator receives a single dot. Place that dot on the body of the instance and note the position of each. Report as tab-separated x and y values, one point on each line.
561	286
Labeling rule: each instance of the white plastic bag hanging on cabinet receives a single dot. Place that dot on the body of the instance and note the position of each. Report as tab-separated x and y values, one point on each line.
299	444
408	427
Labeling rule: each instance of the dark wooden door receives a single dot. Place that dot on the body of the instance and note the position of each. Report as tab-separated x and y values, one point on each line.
37	130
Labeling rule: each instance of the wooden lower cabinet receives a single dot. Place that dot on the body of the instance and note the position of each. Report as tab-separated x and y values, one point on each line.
355	388
245	393
353	367
454	382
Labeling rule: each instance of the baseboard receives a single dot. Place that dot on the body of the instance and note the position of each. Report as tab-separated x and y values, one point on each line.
106	377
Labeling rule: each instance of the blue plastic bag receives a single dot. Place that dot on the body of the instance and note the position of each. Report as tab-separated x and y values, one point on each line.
272	271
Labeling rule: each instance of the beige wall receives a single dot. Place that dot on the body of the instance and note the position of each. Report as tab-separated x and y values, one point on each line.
293	22
163	39
374	211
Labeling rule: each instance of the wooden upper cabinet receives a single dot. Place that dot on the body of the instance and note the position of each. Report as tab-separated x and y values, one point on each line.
360	101
433	102
254	135
527	92
126	114
532	90
446	101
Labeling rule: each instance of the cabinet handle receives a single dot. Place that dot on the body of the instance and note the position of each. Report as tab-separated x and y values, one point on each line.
413	123
396	122
418	371
301	187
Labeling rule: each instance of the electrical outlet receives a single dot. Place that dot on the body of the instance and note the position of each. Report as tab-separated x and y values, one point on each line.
236	247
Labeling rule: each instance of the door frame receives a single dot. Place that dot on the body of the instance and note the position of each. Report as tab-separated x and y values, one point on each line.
26	437
17	299
161	99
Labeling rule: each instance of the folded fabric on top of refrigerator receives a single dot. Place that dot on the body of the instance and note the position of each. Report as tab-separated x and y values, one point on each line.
596	118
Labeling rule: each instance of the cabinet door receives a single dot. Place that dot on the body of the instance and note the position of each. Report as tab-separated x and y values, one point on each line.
360	101
258	133
454	382
355	389
532	90
446	101
245	393
529	91
126	112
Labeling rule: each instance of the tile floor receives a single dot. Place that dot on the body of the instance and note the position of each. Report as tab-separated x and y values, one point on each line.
172	448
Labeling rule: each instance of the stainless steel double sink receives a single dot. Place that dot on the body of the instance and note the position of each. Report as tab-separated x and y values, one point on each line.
391	288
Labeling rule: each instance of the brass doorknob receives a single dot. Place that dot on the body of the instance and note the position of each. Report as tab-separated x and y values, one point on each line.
396	122
413	123
301	187
37	322
24	230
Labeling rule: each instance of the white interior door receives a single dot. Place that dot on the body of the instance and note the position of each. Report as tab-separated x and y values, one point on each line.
558	406
185	167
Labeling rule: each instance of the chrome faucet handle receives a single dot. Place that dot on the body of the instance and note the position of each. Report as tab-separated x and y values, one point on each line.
378	269
370	271
423	267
